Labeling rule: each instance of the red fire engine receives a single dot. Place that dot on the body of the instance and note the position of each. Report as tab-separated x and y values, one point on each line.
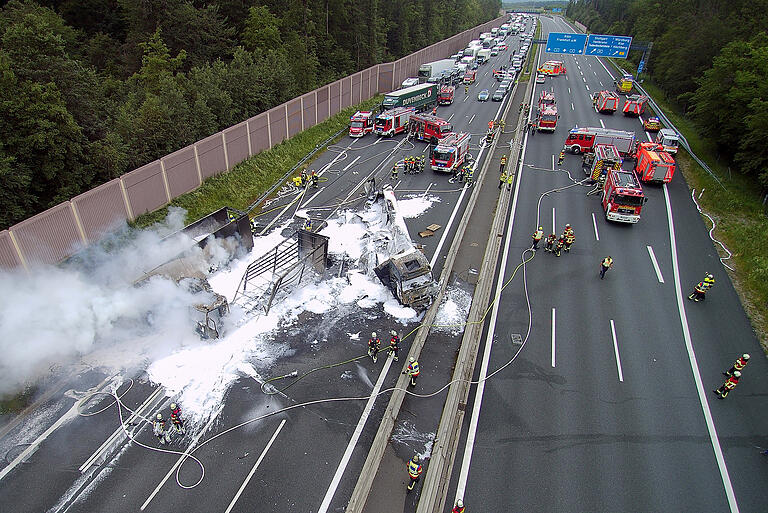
470	76
547	98
426	127
581	140
445	97
654	164
634	105
552	68
393	121
361	123
606	102
451	152
546	114
605	158
622	196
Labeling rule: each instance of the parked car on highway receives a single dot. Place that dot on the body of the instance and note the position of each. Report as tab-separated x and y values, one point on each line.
540	78
483	95
498	95
408	82
494	51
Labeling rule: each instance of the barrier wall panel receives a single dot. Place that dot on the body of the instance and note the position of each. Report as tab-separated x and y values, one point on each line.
334	90
365	85
210	153
277	124
101	209
181	171
259	133
356	81
346	92
48	237
9	259
294	117
145	188
309	109
386	73
323	100
237	144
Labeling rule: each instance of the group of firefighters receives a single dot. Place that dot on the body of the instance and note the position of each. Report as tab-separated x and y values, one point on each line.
554	244
161	429
411	165
303	180
374	348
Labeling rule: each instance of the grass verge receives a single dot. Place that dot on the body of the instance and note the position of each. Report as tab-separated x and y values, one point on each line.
530	62
737	210
252	177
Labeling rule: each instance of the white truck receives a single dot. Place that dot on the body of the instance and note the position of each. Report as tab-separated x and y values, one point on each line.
433	71
483	55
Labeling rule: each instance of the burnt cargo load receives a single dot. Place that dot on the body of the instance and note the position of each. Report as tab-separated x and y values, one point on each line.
420	97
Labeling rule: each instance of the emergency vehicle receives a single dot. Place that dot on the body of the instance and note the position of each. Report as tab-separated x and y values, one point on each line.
451	152
470	76
426	127
607	102
581	140
361	123
634	105
605	158
654	164
652	124
547	98
623	197
552	68
445	97
624	84
393	121
669	139
546	117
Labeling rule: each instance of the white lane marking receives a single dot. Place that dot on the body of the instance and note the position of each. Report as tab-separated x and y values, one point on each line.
616	351
253	470
351	163
181	459
572	107
313	197
584	79
553	337
470	119
594	223
650	139
606	69
587	86
472	430
640	118
379	139
465	98
655	264
449	117
554	229
602	124
553	162
355	437
427	190
601	82
714	440
569	90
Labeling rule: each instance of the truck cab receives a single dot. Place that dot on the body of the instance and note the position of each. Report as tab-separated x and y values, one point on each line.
450	153
623	197
669	139
391	122
426	127
361	123
654	164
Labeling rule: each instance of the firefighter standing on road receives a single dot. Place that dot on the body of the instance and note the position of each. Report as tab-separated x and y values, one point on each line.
176	420
459	508
412	370
158	428
606	264
503	163
561	158
569	236
699	292
414	471
537	235
729	385
374	345
549	246
394	344
502	179
510	179
709	281
738	365
394	171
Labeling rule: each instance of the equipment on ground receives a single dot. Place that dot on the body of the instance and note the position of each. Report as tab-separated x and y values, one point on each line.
361	123
581	140
451	152
623	197
393	121
653	164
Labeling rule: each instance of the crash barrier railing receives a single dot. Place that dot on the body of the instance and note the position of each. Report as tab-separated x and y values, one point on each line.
61	231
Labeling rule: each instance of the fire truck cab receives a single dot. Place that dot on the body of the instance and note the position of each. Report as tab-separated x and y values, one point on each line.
606	102
546	118
623	197
445	97
669	139
393	121
634	105
361	123
470	76
451	152
654	164
552	68
426	127
603	159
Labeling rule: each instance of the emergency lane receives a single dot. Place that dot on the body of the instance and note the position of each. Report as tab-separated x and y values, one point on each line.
575	434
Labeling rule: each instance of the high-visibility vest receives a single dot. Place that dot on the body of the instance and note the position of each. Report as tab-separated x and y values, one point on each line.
458	509
510	178
731	383
503	177
708	282
700	287
414	469
740	364
413	368
570	237
607	262
538	234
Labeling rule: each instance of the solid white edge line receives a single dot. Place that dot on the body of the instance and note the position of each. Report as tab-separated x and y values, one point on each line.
181	459
554	227
352	163
616	351
253	470
553	337
594	223
472	430
655	264
714	440
553	162
602	124
355	437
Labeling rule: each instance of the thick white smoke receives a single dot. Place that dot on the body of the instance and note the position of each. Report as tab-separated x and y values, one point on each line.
91	309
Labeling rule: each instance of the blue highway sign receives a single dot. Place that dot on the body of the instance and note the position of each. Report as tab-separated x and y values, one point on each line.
608	46
561	42
640	67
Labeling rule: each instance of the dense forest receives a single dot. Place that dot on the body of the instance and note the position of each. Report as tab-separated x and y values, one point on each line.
91	89
709	56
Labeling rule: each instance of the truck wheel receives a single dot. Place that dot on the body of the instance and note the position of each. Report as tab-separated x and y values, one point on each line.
575	149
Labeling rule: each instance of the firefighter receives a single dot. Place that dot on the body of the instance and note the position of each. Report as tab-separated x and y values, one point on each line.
434	111
422	163
374	346
313	179
521	106
559	246
510	179
569	236
459	507
158	428
176	420
561	158
537	235
308	224
466	89
699	292
395	170
709	281
304	179
729	385
394	345
414	471
503	163
468	172
502	179
606	264
738	365
550	243
412	370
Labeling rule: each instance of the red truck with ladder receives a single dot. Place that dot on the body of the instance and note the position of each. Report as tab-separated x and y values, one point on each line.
623	197
606	102
445	97
654	164
546	114
361	123
426	127
582	140
604	158
634	105
451	152
393	121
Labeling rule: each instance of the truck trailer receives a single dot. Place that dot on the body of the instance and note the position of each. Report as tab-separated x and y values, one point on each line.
432	71
420	97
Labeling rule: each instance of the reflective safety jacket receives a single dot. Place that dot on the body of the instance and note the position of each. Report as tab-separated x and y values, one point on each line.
510	179
374	343
413	369
414	469
537	235
458	509
503	177
570	238
708	282
607	262
394	342
158	427
731	383
740	363
503	160
700	287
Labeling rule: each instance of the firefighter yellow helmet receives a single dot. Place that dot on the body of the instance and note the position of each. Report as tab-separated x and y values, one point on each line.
540	228
737	374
